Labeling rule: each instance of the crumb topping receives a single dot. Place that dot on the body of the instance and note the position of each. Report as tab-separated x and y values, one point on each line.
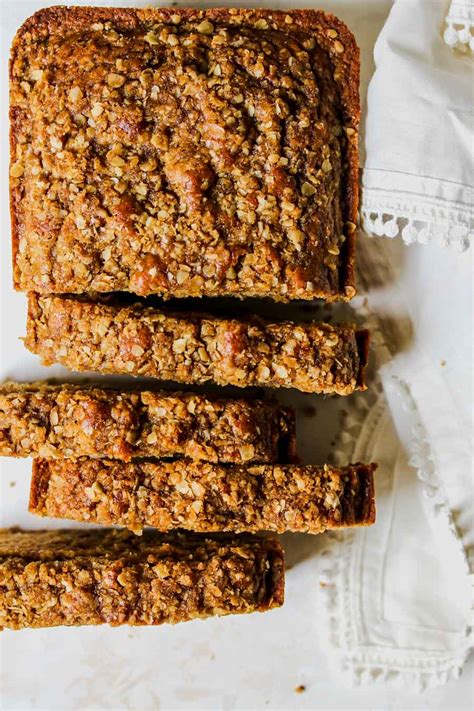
185	154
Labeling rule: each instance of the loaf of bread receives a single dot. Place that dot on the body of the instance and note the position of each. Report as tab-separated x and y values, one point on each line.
184	152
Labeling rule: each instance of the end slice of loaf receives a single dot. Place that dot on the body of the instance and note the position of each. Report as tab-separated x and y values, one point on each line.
214	153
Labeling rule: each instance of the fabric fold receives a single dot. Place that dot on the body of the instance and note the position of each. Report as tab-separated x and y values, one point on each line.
417	179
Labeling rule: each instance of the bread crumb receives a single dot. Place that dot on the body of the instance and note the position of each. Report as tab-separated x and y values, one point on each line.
300	689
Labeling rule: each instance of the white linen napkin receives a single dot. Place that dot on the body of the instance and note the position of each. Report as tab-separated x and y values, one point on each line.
398	595
418	175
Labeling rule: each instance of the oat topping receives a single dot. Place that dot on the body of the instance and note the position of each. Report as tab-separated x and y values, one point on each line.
76	577
73	421
184	152
138	340
204	497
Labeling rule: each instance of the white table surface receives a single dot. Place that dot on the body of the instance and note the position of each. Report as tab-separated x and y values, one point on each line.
253	662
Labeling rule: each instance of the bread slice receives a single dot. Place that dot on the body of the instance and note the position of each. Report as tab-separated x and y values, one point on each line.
62	421
91	577
203	497
188	348
184	152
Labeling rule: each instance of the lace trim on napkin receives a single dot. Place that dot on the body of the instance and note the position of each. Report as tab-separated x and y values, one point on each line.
373	664
421	460
416	218
459	30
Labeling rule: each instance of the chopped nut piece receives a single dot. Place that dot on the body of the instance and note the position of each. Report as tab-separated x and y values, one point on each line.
115	80
181	277
75	93
115	160
179	346
281	371
149	165
205	28
308	189
36	74
151	38
120	187
97	110
247	452
17	170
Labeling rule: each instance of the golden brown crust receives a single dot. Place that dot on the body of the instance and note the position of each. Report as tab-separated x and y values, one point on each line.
76	577
279	237
59	421
203	497
138	340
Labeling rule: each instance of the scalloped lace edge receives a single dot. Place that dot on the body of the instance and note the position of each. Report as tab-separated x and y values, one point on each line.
459	26
387	222
420	459
371	666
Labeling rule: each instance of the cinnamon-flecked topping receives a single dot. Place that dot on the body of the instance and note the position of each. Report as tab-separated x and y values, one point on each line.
184	153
